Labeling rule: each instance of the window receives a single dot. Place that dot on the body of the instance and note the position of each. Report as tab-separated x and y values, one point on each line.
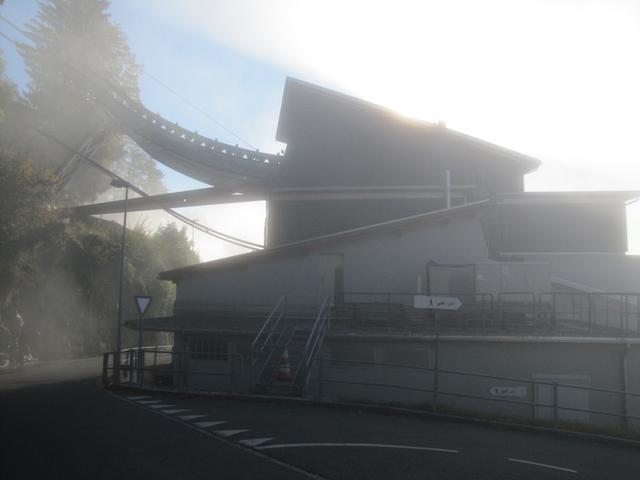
204	349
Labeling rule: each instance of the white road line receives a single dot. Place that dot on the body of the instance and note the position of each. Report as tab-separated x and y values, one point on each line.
163	405
254	442
190	417
174	411
149	402
365	445
228	433
139	398
231	443
207	424
563	469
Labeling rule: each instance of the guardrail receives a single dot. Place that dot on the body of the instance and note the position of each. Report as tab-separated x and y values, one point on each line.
555	407
163	367
559	313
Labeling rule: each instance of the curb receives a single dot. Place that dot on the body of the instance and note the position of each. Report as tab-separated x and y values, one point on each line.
386	410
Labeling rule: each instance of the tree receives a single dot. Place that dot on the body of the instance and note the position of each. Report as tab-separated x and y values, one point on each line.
29	231
173	247
72	42
8	94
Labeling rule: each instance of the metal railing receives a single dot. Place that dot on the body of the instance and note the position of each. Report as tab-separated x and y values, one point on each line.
160	367
268	339
547	313
314	343
147	120
554	407
265	334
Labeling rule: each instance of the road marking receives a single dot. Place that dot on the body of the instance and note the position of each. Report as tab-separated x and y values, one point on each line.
228	433
190	417
254	442
231	443
139	398
366	445
149	402
163	405
172	412
563	469
207	424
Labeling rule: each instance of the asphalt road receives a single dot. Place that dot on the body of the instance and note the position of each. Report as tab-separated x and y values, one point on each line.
55	422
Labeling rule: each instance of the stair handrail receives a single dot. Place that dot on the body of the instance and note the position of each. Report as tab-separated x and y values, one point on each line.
270	324
316	337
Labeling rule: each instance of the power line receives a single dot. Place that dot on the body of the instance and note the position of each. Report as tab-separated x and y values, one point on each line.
195	107
203	228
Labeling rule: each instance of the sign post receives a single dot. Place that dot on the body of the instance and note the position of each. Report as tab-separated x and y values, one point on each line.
436	303
142	303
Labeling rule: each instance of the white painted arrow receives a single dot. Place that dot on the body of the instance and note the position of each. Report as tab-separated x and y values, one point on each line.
254	442
190	417
206	424
228	433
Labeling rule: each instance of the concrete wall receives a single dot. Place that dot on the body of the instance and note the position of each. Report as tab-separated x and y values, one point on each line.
607	273
585	227
603	363
232	374
382	262
597	363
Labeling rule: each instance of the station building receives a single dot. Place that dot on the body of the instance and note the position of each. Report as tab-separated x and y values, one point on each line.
371	209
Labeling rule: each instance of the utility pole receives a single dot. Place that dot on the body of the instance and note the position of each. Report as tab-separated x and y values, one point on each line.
117	183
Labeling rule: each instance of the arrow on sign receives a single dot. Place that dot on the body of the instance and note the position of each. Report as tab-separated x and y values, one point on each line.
142	302
431	302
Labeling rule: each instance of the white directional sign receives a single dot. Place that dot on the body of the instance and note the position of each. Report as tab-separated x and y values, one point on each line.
142	302
508	391
432	302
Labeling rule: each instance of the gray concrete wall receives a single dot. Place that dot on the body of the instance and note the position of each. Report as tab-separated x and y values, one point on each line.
587	227
607	273
583	362
383	262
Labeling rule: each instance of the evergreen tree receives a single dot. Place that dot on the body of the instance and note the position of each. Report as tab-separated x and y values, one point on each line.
73	41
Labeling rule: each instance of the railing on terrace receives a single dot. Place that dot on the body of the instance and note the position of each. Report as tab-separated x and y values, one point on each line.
508	313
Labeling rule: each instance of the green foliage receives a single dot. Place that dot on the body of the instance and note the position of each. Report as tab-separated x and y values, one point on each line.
174	247
8	93
59	279
26	219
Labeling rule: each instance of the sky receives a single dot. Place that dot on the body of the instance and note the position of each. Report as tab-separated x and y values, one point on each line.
556	79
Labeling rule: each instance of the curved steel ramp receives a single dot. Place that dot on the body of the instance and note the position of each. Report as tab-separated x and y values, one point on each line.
199	157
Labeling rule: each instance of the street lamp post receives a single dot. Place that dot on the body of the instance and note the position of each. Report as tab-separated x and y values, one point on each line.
117	183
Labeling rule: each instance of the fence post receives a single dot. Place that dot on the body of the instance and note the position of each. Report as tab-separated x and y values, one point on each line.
131	365
155	357
105	366
435	369
533	400
233	373
320	379
589	313
142	362
555	405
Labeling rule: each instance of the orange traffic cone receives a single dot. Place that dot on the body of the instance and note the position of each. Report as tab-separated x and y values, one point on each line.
284	370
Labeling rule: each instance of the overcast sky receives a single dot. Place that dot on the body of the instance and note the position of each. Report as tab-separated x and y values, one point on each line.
557	80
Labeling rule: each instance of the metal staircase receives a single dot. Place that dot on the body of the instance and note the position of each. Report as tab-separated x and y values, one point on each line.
300	333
